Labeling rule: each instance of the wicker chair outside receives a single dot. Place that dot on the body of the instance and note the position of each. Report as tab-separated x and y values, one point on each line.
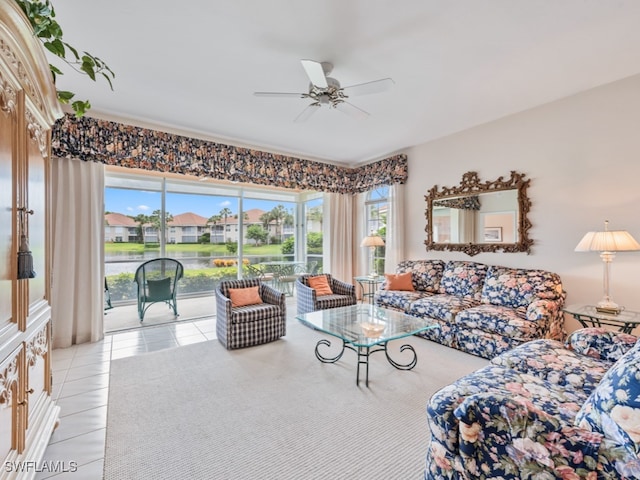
157	281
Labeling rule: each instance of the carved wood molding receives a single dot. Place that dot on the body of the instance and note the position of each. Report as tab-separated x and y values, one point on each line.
8	96
8	378
472	185
37	133
37	347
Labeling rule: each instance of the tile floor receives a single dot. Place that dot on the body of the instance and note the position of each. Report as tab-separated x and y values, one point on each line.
81	386
81	378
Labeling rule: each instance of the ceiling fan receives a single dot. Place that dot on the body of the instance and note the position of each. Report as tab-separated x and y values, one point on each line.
325	90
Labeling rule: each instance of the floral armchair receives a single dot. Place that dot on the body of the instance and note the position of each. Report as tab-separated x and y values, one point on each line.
543	410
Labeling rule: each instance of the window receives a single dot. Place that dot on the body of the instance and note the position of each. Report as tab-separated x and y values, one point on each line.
212	229
376	208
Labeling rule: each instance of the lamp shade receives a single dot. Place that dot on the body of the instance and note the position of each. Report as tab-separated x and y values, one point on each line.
372	241
608	241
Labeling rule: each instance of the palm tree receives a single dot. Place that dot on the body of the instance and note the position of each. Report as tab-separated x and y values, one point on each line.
278	215
214	220
266	219
141	218
156	221
224	213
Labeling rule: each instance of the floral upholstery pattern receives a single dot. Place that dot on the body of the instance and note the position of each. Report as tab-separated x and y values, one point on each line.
483	310
425	274
463	279
553	361
398	300
540	411
440	307
613	410
512	287
598	342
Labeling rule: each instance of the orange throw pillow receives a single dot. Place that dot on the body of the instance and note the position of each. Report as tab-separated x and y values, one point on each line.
321	285
400	281
241	297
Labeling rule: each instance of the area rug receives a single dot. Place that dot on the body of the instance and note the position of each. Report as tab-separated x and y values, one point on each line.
272	412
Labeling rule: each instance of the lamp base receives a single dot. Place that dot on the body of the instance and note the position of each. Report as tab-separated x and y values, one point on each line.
608	307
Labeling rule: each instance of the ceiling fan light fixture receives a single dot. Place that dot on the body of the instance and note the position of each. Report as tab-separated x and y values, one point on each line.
325	90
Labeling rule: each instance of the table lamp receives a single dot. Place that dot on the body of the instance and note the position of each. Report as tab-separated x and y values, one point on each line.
607	243
372	241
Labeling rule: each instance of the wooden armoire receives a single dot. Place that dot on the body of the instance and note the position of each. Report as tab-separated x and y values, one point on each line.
28	109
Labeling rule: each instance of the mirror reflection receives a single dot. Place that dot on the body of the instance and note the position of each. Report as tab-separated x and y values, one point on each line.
478	216
483	218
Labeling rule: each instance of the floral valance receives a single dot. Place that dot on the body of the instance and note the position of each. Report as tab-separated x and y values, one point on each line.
114	143
471	202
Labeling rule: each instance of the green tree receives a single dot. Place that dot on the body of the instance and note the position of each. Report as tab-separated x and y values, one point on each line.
224	213
279	216
214	220
258	234
314	242
142	219
156	220
205	238
266	219
288	246
232	247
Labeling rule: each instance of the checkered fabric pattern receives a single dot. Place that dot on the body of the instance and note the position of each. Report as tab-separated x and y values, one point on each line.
251	325
344	294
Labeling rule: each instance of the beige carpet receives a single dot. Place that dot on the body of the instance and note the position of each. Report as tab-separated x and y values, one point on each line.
272	412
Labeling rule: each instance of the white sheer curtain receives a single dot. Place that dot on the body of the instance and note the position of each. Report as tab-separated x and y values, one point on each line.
78	244
339	236
394	248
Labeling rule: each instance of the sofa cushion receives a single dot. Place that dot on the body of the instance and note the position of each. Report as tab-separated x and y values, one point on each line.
442	307
398	300
425	274
551	361
514	287
613	408
507	321
463	279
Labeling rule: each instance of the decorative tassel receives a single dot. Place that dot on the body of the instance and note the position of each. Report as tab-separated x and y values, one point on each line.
25	260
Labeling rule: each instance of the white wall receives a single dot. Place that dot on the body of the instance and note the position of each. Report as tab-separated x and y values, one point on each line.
582	154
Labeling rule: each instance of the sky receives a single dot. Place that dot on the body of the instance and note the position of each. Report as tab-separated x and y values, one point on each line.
134	202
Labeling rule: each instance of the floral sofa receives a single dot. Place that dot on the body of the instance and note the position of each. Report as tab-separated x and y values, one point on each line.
482	309
543	410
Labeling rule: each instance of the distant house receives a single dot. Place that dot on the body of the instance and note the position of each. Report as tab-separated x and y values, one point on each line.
120	228
189	227
186	228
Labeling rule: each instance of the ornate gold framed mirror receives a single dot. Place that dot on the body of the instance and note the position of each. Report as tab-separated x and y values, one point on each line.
478	216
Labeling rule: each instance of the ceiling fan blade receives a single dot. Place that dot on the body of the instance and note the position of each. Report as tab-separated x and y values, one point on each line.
376	86
279	94
307	112
351	110
315	72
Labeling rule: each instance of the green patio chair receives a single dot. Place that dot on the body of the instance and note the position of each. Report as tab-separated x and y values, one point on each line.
157	281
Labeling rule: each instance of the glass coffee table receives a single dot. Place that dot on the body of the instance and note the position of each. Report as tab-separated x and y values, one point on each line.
365	329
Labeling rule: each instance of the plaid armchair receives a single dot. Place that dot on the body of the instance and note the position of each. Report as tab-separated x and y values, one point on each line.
343	294
239	327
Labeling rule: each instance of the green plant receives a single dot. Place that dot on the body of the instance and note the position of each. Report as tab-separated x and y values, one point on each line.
41	15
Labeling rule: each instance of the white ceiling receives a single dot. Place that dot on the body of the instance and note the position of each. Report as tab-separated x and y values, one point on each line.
193	65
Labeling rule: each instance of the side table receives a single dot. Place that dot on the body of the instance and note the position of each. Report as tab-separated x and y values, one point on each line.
368	286
588	316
